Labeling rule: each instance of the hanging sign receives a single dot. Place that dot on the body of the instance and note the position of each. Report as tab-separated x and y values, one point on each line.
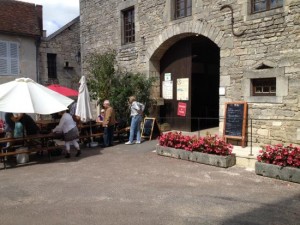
168	77
183	89
181	110
167	89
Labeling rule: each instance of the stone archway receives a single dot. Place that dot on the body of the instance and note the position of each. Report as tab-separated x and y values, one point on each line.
174	33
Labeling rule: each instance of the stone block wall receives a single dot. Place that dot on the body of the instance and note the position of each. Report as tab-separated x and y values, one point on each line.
65	43
269	47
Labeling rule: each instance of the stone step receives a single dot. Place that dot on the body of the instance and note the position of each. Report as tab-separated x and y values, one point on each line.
245	157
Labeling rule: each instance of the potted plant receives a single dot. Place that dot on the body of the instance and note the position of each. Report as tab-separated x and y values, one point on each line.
280	162
211	150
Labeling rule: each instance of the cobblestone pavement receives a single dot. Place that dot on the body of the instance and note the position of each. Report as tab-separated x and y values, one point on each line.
130	184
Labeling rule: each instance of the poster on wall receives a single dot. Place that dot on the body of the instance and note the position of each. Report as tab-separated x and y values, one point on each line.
181	110
167	89
183	89
168	77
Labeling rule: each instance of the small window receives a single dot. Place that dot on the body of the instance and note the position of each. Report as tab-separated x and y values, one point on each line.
264	87
183	8
265	5
9	58
51	61
129	26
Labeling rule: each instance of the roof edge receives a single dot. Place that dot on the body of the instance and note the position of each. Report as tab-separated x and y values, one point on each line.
62	28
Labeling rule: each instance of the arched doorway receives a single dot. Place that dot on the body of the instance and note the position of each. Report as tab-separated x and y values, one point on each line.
198	59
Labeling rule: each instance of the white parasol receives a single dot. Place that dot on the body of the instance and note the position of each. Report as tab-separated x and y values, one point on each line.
83	108
23	95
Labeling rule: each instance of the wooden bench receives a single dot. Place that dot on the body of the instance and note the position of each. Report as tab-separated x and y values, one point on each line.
3	155
34	143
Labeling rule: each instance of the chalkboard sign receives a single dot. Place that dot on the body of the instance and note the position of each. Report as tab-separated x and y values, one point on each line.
150	128
235	121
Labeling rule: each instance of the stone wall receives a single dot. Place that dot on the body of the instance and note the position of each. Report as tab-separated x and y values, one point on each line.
65	43
270	46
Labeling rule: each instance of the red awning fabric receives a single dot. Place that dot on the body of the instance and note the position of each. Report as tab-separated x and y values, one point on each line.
63	90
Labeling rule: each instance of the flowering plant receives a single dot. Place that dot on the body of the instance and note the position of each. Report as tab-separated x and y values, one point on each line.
208	144
280	155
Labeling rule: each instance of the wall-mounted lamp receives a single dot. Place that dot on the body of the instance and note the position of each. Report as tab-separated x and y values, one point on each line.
78	57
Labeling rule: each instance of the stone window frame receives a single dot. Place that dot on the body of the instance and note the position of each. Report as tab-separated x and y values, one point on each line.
9	58
128	28
267	5
267	86
248	15
123	6
185	8
281	90
52	65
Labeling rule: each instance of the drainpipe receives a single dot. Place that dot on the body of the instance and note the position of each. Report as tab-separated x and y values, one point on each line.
37	46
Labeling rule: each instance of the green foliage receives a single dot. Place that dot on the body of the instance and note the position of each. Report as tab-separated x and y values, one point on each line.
106	83
101	68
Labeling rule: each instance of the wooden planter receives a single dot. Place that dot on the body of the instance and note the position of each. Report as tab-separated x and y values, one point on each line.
204	158
278	172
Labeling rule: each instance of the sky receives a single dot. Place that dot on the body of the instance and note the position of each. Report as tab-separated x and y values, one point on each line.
57	13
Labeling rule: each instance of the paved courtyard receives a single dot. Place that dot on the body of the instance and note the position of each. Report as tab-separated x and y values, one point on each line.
132	185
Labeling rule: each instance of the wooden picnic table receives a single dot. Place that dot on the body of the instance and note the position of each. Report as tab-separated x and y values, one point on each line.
33	143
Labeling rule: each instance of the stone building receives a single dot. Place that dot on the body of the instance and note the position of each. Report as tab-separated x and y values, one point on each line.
60	56
206	53
21	30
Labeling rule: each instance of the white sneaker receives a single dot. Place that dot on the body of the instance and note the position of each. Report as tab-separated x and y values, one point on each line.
128	143
138	142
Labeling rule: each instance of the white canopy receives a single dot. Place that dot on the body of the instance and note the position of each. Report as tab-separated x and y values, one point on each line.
83	108
24	95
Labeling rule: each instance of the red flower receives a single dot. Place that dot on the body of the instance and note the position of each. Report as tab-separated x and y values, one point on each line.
209	144
280	155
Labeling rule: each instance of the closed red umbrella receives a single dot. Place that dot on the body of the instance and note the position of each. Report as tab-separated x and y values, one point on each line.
63	90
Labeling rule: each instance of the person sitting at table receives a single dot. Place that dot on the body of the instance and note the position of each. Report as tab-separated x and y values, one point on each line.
9	126
100	118
29	125
68	126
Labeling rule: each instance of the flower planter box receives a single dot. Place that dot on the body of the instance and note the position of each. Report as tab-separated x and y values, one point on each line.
204	158
278	172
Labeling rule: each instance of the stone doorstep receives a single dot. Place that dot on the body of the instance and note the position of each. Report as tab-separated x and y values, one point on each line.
243	157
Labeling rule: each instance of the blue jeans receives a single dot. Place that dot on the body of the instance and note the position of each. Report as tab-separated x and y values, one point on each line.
135	128
108	136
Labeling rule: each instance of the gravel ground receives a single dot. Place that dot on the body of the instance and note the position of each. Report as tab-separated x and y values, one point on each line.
130	184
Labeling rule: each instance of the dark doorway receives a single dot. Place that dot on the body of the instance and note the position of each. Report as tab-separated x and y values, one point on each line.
198	59
205	83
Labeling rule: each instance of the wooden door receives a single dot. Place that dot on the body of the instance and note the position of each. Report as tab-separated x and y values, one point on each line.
177	61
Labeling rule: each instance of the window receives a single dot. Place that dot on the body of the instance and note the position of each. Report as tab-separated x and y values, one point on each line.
265	5
9	58
183	8
128	29
264	87
51	60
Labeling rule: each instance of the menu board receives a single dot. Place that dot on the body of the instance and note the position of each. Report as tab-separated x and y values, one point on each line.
150	128
235	121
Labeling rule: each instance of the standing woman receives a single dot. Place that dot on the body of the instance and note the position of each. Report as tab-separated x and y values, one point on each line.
136	119
68	126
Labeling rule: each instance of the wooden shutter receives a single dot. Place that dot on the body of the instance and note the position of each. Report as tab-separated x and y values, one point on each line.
3	58
14	58
9	58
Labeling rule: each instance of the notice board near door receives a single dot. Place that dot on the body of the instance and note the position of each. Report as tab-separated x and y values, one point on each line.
150	128
235	121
